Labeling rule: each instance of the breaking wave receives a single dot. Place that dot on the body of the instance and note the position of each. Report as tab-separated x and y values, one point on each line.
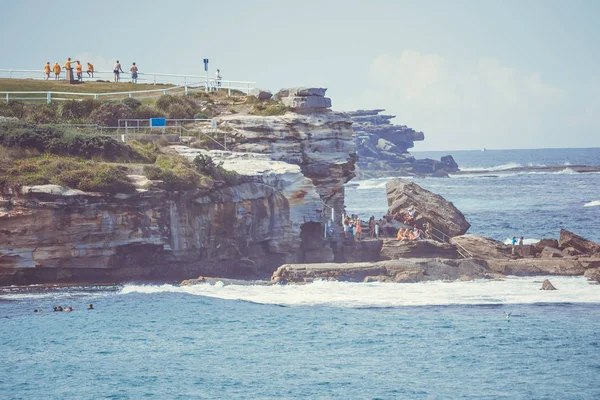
592	203
512	290
525	241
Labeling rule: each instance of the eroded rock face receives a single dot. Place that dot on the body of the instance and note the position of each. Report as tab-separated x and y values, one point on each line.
321	144
430	207
239	231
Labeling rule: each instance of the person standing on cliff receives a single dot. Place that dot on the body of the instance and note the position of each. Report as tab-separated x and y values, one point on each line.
56	70
521	246
117	70
47	70
514	244
134	73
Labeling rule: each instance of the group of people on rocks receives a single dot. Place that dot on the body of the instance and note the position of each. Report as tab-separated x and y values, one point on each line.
514	245
57	69
353	226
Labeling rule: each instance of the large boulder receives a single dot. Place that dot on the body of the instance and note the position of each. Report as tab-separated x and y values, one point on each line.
430	207
482	247
569	239
395	249
593	274
303	98
261	94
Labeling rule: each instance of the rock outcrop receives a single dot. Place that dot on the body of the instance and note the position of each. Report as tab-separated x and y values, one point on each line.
293	167
570	240
483	247
405	270
302	99
547	285
320	143
394	249
430	207
382	148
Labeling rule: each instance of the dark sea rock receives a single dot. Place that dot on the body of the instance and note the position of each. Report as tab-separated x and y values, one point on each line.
546	285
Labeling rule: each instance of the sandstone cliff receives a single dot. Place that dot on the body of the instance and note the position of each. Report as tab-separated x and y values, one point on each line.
293	166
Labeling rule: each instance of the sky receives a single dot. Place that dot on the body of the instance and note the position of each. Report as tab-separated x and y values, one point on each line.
469	74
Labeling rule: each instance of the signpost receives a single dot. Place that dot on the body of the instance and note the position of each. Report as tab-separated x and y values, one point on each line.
206	72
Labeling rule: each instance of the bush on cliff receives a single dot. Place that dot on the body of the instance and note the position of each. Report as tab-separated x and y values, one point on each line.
268	107
177	173
69	172
74	110
206	166
62	141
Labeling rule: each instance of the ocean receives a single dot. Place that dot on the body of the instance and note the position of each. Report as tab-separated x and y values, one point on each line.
336	340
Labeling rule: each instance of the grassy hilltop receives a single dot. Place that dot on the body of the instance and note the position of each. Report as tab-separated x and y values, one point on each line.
38	148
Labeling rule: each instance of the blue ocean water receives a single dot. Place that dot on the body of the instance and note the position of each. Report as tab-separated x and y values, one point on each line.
534	205
432	340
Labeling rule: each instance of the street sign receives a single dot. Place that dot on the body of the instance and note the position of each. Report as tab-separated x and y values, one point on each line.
158	122
206	64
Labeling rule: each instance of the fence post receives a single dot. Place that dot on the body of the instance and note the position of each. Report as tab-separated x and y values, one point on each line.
154	79
7	97
165	91
49	97
130	94
95	97
186	90
9	74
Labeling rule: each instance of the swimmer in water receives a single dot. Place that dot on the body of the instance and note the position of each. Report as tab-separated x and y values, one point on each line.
90	306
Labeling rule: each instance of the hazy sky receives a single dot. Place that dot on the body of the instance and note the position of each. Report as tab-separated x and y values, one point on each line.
470	74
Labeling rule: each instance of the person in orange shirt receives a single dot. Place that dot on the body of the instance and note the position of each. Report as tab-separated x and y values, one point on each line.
47	70
56	69
79	70
90	70
68	63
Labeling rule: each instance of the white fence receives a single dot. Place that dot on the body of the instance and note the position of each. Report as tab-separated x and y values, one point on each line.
183	84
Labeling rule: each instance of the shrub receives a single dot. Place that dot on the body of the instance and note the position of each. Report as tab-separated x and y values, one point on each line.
176	173
146	112
55	140
109	114
132	103
86	176
144	152
205	164
42	114
164	102
14	108
270	107
78	110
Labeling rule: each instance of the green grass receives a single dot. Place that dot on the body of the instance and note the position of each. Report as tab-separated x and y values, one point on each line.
88	86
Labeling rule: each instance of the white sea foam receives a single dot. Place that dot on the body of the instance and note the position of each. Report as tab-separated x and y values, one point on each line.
525	241
512	290
502	167
375	183
592	203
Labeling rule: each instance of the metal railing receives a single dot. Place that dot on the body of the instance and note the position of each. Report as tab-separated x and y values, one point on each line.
190	83
442	237
149	77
